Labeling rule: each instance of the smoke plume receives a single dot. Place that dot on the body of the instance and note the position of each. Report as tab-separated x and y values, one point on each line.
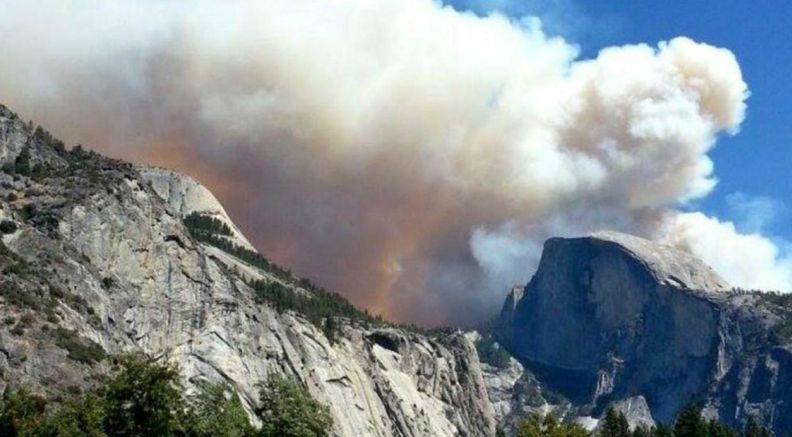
405	154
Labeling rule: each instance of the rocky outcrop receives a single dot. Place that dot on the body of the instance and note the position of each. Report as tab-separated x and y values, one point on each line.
100	257
613	319
96	261
186	196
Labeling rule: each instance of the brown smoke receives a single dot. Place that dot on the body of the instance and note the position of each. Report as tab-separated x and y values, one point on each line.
407	155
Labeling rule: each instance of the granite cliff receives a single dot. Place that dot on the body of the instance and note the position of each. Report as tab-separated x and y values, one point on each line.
97	261
98	258
612	319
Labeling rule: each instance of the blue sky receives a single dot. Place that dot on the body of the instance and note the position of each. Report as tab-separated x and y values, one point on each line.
755	188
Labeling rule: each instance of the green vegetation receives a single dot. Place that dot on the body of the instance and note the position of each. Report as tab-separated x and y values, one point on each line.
23	166
752	429
548	426
80	349
316	307
15	295
689	423
288	411
22	162
78	156
615	424
212	231
144	398
492	353
201	224
21	411
75	417
7	227
108	282
781	305
16	288
24	285
319	306
217	412
9	259
42	136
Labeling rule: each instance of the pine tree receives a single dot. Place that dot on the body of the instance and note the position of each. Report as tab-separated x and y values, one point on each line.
287	410
689	423
752	429
531	426
662	431
144	399
642	431
216	411
615	424
22	162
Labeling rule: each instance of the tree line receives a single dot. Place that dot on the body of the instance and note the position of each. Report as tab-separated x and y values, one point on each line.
689	423
145	398
215	233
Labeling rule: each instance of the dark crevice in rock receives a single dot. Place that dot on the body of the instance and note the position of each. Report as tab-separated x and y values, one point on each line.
386	339
176	239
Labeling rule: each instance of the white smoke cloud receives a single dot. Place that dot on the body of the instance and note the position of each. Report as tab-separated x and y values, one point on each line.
404	153
749	261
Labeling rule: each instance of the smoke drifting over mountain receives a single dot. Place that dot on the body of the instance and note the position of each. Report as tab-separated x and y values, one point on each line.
405	154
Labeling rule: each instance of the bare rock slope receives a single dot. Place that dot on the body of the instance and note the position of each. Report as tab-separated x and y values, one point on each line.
96	260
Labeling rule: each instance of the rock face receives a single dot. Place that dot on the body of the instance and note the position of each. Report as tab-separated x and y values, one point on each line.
100	257
186	196
96	260
613	319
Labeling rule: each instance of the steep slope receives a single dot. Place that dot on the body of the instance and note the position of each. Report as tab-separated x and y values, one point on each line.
96	260
186	196
613	318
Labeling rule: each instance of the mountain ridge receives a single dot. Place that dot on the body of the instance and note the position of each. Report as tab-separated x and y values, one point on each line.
609	314
112	265
101	257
